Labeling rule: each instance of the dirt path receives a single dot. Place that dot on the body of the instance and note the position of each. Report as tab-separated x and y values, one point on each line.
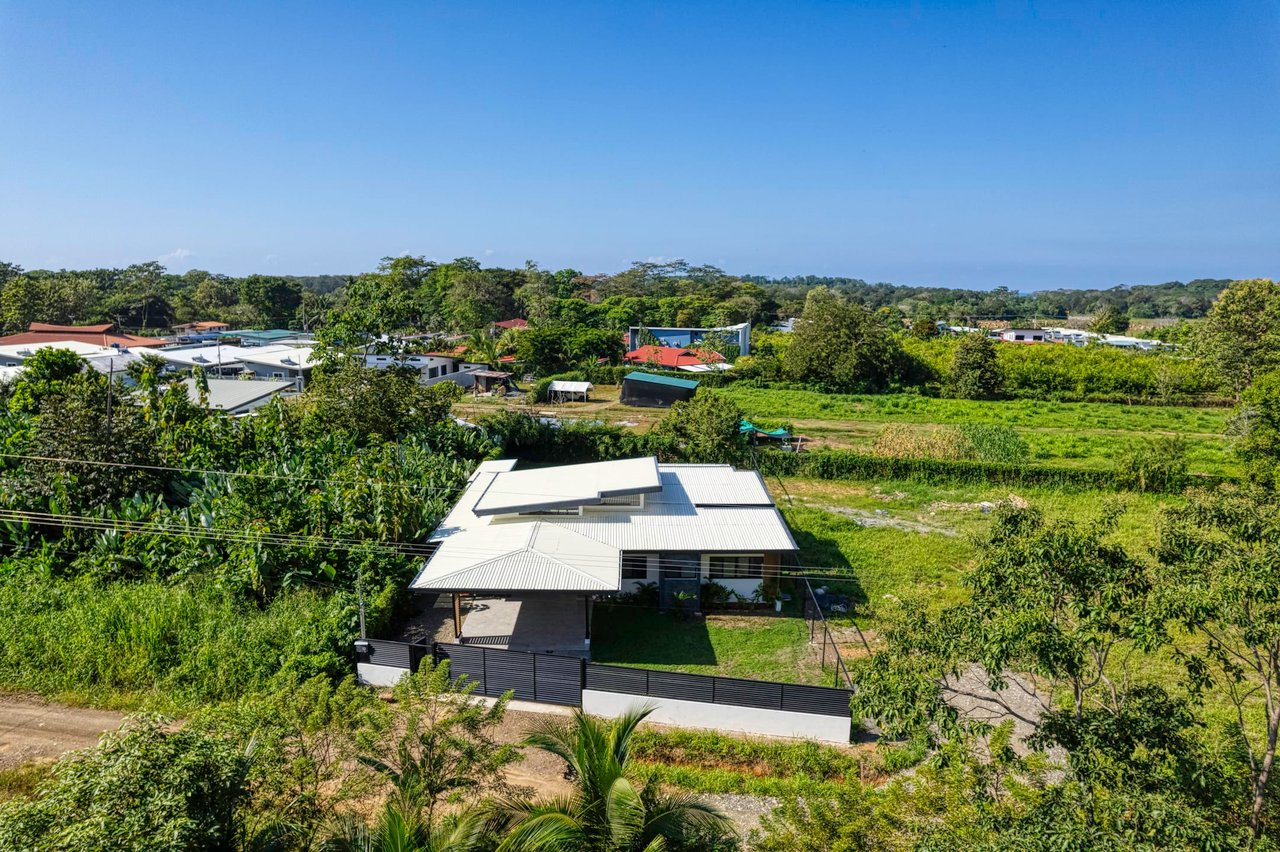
35	730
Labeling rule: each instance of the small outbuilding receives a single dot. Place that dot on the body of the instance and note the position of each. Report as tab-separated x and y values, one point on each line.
561	391
649	390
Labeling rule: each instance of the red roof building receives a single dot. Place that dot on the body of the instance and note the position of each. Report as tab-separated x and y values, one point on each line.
673	357
512	323
99	335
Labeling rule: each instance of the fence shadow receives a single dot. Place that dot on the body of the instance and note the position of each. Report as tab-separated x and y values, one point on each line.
634	635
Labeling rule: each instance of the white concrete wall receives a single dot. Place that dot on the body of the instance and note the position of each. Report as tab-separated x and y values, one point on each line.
371	674
722	717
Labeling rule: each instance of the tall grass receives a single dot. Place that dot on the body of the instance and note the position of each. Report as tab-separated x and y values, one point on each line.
161	646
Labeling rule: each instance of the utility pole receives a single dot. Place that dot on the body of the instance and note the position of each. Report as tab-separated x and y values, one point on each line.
360	597
111	380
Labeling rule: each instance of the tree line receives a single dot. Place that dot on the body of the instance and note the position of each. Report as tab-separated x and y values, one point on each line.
458	296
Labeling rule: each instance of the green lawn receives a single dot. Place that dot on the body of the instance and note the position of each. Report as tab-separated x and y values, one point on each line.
1073	434
762	647
906	541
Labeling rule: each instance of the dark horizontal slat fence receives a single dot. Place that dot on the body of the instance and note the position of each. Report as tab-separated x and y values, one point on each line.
767	695
560	680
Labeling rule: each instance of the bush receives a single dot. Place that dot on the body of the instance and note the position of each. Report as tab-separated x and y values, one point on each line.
1157	464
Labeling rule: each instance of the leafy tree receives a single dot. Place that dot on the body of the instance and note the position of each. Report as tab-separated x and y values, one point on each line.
1110	320
1258	421
1221	552
611	809
303	735
144	787
839	345
438	746
924	324
548	350
536	296
273	299
975	370
706	429
1241	337
86	456
365	401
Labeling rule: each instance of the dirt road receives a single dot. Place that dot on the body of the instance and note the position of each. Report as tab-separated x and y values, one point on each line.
31	729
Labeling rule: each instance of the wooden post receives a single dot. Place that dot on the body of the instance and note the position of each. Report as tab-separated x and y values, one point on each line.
457	615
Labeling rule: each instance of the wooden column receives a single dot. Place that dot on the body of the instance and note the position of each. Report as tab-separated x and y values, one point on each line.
457	615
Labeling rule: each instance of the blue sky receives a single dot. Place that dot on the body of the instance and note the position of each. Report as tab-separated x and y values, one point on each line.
966	144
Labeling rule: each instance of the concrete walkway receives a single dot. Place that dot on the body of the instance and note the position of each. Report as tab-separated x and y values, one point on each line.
543	624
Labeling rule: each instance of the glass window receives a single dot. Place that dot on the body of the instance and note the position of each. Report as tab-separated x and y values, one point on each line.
635	566
737	567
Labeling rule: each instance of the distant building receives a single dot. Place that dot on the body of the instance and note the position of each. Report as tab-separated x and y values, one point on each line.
511	323
268	336
1021	335
674	357
652	391
102	335
239	396
739	335
104	359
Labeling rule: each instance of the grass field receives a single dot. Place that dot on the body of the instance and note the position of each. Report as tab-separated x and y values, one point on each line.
1073	434
899	540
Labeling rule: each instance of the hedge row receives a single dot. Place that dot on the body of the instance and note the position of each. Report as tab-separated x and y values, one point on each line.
850	464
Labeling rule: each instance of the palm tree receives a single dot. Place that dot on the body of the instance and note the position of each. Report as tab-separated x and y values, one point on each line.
399	831
482	348
611	809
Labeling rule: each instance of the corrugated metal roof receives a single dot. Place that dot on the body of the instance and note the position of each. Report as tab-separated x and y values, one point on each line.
567	485
569	387
235	395
512	552
712	485
652	379
539	556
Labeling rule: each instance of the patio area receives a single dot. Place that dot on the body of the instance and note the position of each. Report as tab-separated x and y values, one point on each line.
541	623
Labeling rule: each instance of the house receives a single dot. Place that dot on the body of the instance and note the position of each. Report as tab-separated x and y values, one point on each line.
239	396
737	335
269	336
1021	335
278	362
675	357
104	359
200	327
432	367
218	359
101	335
538	544
649	390
507	325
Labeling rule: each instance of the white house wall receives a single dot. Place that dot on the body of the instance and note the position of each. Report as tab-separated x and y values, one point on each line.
721	717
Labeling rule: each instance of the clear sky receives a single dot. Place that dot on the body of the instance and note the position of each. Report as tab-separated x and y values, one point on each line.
1030	144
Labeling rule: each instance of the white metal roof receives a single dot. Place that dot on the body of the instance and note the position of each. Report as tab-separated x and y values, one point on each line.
567	485
213	355
695	508
236	395
289	357
558	386
26	350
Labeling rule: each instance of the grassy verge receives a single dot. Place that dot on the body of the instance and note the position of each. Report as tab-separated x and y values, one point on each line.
21	781
708	762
